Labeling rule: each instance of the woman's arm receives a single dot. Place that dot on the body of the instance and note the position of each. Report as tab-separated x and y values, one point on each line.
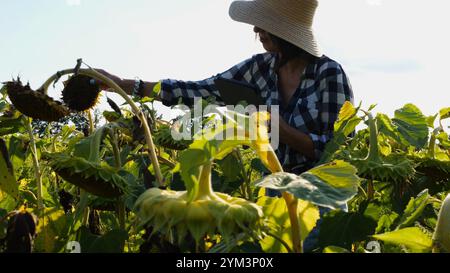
174	91
128	85
334	94
297	140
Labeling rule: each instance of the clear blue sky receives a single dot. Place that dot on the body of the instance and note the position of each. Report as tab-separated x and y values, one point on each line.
395	51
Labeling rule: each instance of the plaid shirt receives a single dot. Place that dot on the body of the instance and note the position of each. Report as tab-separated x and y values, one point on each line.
313	109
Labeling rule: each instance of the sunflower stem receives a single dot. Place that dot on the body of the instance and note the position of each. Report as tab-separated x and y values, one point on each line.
370	190
121	213
374	154
117	89
91	122
37	168
115	146
292	206
432	145
205	187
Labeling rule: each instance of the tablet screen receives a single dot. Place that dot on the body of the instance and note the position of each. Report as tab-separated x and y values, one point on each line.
235	92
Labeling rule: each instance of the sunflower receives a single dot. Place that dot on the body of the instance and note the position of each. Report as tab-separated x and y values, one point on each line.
35	104
98	179
81	93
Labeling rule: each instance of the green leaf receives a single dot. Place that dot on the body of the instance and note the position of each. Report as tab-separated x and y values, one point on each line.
231	168
412	125
373	106
3	105
347	112
3	90
11	126
431	120
334	249
111	242
386	126
331	185
89	147
414	209
345	125
190	162
7	202
7	179
258	165
385	222
343	229
444	113
443	140
278	219
412	238
49	230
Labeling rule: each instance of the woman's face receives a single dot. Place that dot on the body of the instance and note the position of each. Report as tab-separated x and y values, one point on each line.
265	39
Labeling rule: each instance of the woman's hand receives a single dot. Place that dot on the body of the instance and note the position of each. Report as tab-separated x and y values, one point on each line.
127	85
297	140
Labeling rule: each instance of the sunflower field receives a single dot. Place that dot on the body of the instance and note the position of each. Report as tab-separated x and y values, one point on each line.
117	181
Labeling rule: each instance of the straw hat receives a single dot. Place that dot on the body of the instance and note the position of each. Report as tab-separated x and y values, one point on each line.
290	20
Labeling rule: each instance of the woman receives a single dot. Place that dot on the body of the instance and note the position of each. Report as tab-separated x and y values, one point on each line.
308	87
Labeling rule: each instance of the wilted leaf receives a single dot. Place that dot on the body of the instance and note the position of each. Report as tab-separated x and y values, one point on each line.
412	238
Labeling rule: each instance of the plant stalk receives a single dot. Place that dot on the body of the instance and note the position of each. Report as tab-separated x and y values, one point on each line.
121	212
37	168
432	144
292	206
374	154
117	89
115	146
205	187
91	122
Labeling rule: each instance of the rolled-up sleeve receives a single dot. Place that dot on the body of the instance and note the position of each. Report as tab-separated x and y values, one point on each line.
335	90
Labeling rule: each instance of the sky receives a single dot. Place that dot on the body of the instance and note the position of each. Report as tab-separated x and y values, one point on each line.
394	51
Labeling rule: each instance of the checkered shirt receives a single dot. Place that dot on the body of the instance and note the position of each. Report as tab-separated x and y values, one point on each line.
313	109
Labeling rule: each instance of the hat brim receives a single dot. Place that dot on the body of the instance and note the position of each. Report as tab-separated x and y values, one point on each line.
252	13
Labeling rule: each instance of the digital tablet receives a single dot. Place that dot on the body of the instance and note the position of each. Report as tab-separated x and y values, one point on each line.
235	92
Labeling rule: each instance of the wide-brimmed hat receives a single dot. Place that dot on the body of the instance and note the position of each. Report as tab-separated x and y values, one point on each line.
290	20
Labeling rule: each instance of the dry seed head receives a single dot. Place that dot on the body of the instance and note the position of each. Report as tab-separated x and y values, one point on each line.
81	93
35	104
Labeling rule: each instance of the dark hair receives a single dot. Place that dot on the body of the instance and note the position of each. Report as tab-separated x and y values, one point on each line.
289	52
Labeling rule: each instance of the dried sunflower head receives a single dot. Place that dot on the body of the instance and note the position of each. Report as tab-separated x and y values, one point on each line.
81	93
34	104
98	179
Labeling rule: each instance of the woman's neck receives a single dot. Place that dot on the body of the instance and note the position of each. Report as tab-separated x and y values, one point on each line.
294	64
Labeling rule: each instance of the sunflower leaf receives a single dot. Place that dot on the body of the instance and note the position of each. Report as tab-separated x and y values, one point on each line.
412	238
331	185
412	125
